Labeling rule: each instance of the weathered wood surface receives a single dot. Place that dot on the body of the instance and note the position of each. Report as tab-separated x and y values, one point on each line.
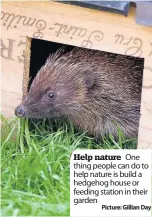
75	26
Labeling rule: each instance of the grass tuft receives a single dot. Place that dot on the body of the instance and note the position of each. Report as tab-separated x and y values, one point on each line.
35	165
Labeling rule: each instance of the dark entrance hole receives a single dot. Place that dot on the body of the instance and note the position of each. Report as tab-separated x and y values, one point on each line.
41	49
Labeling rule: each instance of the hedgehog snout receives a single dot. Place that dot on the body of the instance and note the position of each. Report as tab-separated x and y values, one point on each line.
20	111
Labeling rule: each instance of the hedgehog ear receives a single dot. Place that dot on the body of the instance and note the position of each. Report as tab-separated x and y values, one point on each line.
88	77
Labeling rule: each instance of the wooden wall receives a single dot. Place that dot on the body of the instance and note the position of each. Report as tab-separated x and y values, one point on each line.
75	26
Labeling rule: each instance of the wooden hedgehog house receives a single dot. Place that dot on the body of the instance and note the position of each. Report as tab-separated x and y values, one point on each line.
61	23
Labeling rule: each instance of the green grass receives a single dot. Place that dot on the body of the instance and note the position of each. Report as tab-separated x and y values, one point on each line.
35	161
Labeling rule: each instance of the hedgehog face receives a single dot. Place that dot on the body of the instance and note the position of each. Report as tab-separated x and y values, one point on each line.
57	90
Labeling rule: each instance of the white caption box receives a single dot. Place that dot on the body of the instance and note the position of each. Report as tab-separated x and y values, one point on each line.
110	183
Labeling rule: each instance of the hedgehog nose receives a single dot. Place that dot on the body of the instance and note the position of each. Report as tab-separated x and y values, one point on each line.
19	111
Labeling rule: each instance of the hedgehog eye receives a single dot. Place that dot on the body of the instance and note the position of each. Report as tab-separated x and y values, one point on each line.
51	95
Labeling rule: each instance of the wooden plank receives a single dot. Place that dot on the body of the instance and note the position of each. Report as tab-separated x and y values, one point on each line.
75	26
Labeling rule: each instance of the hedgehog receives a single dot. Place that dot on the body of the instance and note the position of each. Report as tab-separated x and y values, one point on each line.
98	92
